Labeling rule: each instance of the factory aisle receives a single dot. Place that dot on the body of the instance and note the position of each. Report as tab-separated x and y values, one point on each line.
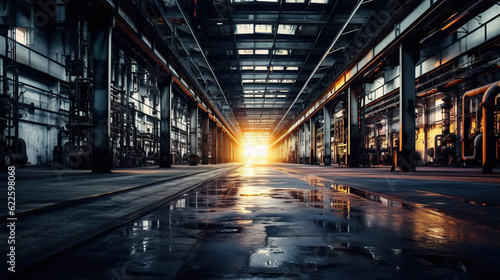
260	222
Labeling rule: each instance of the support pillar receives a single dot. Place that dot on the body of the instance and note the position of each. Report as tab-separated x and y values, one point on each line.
205	130
408	56
166	123
327	157
307	144
301	144
101	24
313	139
353	126
193	137
225	147
220	143
213	131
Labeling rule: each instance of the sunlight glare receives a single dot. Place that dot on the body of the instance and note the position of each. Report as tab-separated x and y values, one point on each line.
255	153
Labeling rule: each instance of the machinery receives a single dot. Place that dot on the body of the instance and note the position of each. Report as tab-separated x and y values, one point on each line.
12	147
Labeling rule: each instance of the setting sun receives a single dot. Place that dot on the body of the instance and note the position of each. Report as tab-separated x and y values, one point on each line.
255	153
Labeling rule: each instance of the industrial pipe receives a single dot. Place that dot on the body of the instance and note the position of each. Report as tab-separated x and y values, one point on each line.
470	93
488	121
477	146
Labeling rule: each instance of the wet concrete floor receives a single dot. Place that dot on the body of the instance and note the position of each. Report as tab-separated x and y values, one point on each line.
262	223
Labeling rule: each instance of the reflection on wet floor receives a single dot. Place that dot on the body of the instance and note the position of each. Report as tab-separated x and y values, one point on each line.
262	223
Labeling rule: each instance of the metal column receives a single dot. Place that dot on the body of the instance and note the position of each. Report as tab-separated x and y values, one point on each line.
225	147
220	142
301	144
213	131
205	130
353	127
166	123
307	144
101	23
313	140
408	56
193	137
327	158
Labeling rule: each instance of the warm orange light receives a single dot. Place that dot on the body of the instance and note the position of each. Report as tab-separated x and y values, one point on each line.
255	153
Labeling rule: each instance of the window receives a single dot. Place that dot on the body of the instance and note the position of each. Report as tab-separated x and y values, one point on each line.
245	51
319	1
277	68
295	1
264	28
281	52
23	35
247	68
287	29
243	29
261	51
292	68
260	68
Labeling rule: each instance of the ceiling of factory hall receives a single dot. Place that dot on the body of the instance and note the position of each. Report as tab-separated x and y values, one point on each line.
269	59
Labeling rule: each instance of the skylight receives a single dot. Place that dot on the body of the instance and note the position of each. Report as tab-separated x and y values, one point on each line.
260	68
245	51
281	52
295	1
319	1
287	81
292	68
267	1
261	51
277	68
243	29
287	29
264	28
247	68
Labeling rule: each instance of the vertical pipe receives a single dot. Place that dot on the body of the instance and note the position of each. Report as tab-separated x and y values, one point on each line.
488	121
